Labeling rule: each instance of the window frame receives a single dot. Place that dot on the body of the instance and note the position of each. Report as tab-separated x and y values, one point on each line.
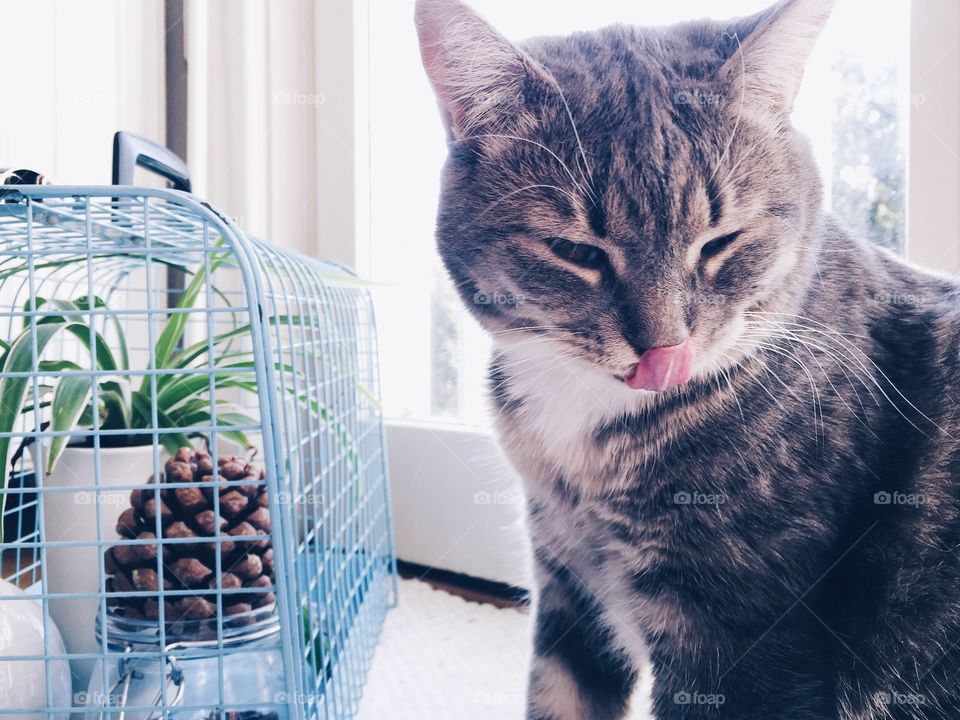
933	186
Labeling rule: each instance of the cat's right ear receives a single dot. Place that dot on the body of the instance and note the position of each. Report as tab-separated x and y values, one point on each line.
479	76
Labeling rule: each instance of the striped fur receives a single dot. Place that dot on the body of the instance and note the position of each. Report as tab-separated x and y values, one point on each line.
779	538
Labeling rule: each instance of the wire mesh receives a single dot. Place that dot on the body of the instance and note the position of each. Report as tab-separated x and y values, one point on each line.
136	415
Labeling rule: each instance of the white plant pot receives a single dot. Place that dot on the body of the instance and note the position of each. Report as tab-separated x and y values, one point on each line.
88	514
23	683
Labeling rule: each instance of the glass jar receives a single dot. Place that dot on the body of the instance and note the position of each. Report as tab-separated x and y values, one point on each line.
185	677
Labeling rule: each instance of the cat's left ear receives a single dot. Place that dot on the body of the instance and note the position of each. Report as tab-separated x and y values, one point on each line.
774	47
481	79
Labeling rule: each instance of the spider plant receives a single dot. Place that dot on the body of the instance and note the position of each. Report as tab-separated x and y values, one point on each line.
181	383
182	387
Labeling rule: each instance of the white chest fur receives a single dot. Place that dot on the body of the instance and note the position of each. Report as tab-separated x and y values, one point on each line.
561	403
564	399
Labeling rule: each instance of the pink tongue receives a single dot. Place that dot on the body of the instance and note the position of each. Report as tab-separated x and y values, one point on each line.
663	368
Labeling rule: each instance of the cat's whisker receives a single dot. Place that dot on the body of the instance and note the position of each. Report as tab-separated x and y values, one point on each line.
830	332
826	328
843	366
826	376
520	369
736	124
788	335
517	138
588	177
515	342
867	374
526	328
815	392
843	369
573	198
810	347
793	329
725	374
756	379
840	360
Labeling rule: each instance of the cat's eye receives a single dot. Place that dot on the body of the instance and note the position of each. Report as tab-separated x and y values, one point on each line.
718	245
579	254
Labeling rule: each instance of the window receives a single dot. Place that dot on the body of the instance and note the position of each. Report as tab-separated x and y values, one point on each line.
854	107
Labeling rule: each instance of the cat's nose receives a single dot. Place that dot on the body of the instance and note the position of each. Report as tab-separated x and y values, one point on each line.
663	368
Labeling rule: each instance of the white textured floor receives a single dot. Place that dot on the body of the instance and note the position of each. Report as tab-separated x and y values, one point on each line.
443	658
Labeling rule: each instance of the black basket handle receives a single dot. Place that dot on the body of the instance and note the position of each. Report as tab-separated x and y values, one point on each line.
130	150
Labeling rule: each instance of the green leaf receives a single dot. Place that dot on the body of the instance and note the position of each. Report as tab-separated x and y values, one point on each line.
181	414
142	409
101	351
53	366
86	417
177	323
77	327
198	349
13	390
84	302
225	420
370	397
69	401
30	408
189	386
191	353
174	441
39	302
115	397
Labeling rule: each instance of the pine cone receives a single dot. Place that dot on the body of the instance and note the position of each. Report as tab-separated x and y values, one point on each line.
187	513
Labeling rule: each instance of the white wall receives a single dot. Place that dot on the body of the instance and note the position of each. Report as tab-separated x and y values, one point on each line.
74	73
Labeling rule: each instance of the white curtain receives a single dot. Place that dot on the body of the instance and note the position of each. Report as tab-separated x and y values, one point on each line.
271	122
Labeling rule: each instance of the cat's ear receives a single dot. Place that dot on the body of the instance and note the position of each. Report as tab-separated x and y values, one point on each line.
479	76
773	50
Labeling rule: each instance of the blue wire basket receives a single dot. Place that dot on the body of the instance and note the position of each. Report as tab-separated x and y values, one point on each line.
174	332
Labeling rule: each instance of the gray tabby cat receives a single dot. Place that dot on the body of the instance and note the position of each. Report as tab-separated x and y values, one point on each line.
736	424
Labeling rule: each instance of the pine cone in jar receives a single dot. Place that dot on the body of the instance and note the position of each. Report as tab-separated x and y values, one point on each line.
202	519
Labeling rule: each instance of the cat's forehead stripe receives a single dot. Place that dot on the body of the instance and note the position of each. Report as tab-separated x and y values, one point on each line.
597	219
716	202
